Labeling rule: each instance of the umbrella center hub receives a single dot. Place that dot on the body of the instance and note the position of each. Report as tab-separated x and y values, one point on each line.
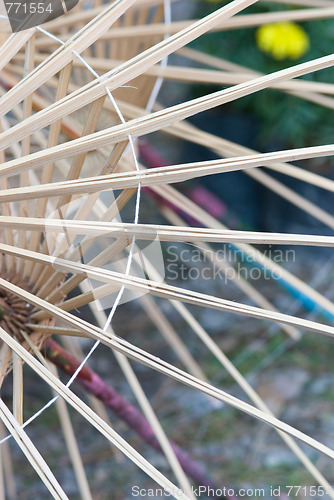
14	311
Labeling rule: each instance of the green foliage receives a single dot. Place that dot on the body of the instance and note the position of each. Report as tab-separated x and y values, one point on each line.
283	119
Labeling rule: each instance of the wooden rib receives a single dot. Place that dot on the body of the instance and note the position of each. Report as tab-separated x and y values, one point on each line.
298	284
85	209
76	166
191	133
145	124
90	126
48	287
82	16
18	388
137	66
65	54
7	464
171	336
210	254
72	447
128	20
87	413
147	359
146	84
13	44
53	136
242	382
237	22
160	290
2	472
295	88
225	148
226	72
53	139
6	357
247	388
82	299
234	69
61	291
29	64
154	275
98	46
147	410
55	293
70	127
154	422
67	428
317	298
310	3
51	280
207	76
163	232
188	131
161	175
28	448
57	330
82	213
203	217
73	346
6	209
293	197
143	18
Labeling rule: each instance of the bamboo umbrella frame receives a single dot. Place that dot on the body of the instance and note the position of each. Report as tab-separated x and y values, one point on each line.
75	96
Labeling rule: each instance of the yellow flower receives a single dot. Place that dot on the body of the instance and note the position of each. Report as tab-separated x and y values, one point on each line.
282	40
